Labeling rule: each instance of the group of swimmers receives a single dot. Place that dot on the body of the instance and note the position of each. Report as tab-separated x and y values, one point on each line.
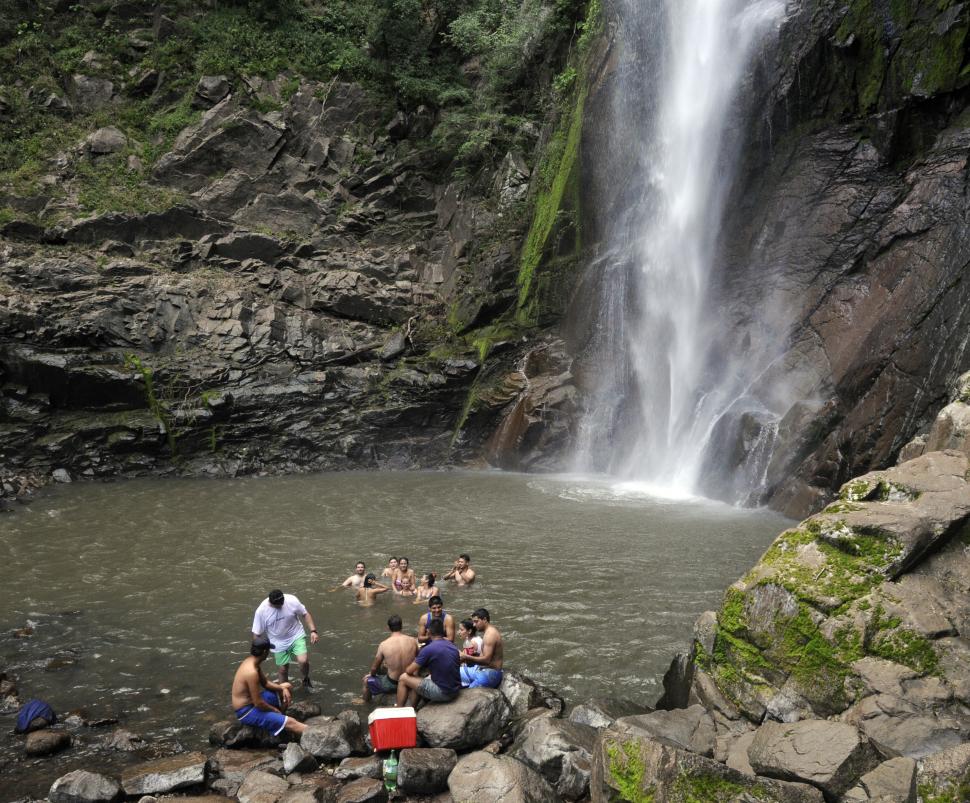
428	666
404	581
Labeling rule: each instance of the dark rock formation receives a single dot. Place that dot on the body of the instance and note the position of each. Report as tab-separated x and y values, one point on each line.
288	314
847	234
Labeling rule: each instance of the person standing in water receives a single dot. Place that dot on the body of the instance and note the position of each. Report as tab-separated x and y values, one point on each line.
278	616
356	580
395	653
391	569
485	669
369	590
257	701
404	579
462	572
427	589
436	613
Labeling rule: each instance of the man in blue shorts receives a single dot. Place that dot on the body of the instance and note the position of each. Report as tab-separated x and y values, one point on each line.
258	701
485	669
441	658
278	617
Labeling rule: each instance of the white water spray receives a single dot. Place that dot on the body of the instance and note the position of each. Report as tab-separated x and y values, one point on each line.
672	402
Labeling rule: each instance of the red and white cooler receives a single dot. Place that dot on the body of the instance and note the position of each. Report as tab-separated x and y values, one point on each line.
393	728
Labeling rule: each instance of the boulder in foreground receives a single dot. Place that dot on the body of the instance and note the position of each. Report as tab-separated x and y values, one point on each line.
82	786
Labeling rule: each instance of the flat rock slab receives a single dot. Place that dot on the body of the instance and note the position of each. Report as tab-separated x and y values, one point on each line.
685	728
82	786
480	777
363	790
627	766
603	712
261	787
351	769
235	765
165	775
894	779
829	755
425	771
471	720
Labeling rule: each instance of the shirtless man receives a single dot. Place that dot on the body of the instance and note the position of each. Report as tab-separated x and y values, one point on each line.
462	572
485	669
396	653
436	611
258	701
369	590
356	580
391	569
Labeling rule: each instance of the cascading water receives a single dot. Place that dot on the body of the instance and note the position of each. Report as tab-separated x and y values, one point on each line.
654	408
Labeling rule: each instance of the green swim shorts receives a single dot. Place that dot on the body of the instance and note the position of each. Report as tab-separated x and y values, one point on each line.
284	657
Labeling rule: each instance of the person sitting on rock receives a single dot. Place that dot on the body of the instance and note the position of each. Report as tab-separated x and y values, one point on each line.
356	580
484	670
441	658
395	653
369	590
391	569
471	641
258	701
462	572
436	612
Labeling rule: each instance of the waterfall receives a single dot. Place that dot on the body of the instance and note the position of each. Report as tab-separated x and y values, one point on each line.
657	394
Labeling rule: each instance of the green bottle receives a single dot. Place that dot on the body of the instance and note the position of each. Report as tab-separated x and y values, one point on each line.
390	773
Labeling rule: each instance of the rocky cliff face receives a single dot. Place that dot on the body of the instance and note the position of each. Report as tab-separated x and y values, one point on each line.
846	240
297	279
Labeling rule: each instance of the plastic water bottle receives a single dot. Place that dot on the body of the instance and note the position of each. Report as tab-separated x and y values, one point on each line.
390	773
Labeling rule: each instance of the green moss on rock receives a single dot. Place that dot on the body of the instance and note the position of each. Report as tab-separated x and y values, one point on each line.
627	769
703	788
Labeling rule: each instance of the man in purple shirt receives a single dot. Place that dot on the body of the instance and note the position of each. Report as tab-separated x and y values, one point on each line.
441	658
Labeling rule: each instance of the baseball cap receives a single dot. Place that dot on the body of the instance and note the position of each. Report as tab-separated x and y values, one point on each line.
261	644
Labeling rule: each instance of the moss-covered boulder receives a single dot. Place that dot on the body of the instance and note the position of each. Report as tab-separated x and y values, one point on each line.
880	575
635	768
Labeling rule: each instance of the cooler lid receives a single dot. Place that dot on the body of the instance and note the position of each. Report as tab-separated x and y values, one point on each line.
405	712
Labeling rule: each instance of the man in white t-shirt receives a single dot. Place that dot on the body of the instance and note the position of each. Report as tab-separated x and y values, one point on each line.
278	616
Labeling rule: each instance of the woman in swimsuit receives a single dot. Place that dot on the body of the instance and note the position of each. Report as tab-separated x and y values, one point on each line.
427	589
370	589
391	569
404	579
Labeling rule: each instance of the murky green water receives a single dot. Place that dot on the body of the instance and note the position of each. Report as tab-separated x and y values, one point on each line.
141	594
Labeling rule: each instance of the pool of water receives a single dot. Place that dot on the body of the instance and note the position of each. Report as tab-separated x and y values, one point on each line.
140	594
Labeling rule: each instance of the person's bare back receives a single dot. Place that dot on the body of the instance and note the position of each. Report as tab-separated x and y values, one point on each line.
398	651
369	590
